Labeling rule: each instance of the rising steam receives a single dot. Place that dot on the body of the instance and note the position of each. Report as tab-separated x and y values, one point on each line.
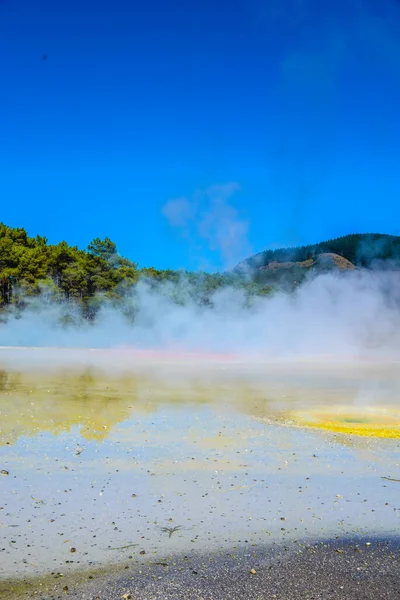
208	219
348	314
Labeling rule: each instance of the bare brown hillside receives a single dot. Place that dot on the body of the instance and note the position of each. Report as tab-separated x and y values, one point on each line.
330	259
325	260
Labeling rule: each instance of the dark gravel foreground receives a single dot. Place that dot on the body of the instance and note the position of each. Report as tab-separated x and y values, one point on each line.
361	568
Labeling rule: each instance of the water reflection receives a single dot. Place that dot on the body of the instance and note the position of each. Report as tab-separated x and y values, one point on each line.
97	401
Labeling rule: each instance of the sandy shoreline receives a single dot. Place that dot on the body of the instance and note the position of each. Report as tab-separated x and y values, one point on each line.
351	568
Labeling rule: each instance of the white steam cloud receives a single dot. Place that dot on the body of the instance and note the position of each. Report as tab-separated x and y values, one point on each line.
352	314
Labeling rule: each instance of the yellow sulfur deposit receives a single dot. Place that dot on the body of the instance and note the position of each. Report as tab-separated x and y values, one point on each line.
372	422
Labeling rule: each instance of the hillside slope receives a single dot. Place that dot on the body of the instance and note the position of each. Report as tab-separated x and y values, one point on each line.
362	249
289	266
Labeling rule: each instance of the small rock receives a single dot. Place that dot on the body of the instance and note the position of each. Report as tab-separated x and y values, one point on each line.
253	571
127	596
73	549
65	588
4	472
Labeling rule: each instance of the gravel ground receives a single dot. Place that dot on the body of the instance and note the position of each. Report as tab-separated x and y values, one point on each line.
363	568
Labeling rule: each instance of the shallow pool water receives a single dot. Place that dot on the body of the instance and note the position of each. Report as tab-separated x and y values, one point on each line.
101	464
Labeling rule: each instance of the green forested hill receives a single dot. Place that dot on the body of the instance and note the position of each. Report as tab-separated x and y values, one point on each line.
359	248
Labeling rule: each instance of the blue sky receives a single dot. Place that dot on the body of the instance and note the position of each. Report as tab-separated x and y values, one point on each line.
272	122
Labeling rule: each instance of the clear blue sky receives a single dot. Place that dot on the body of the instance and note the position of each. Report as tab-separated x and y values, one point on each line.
293	103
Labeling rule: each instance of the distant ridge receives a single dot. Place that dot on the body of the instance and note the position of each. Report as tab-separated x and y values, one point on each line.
360	249
288	267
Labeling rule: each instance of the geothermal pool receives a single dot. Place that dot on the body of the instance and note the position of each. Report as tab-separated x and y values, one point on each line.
113	457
